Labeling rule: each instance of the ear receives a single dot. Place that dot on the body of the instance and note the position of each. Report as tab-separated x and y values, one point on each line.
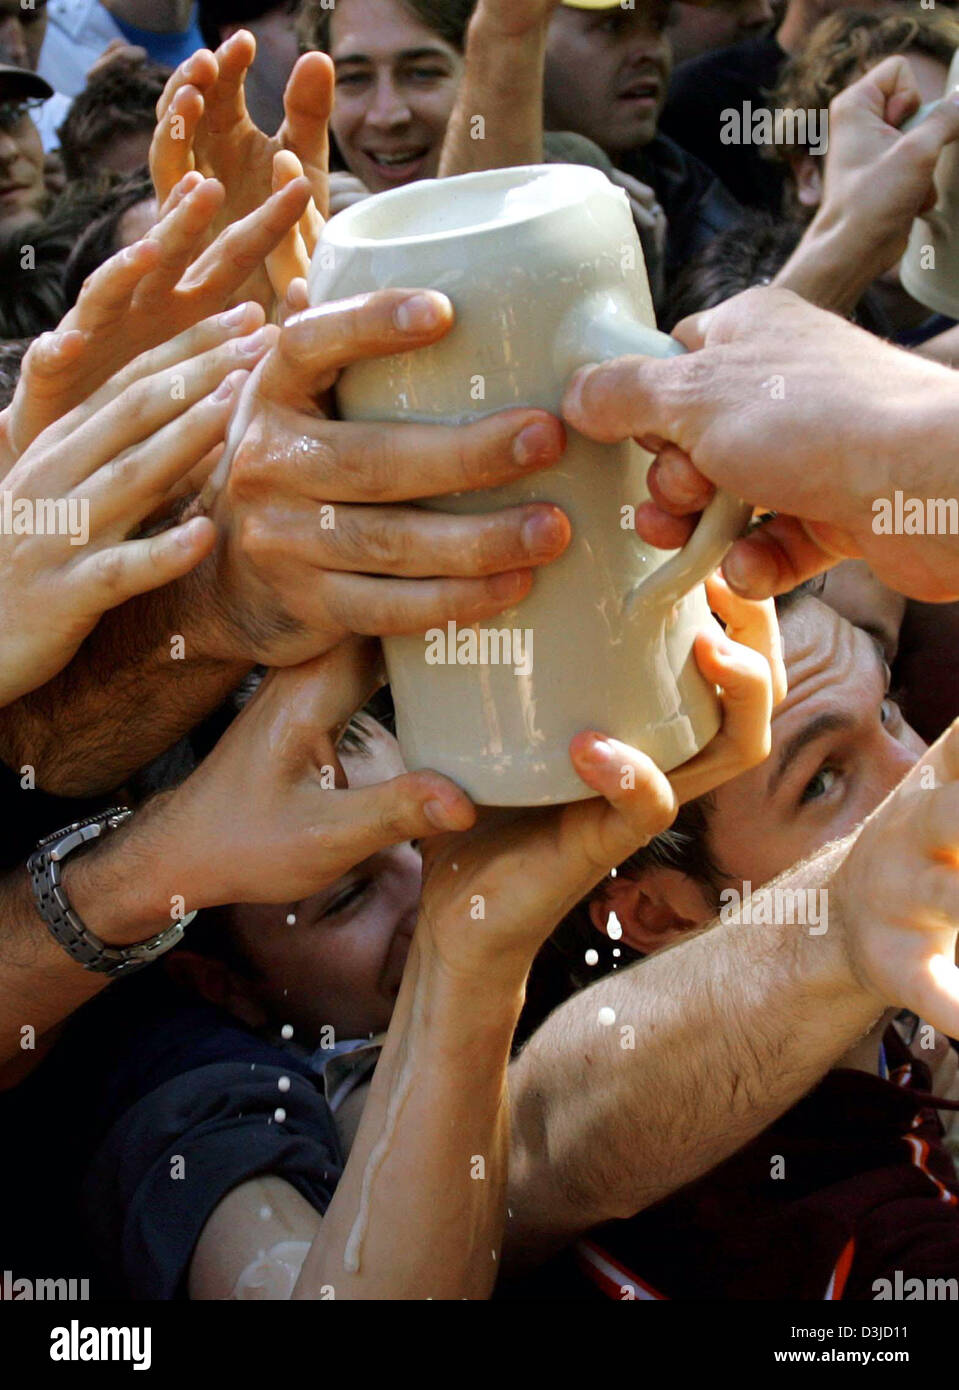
217	984
657	908
807	174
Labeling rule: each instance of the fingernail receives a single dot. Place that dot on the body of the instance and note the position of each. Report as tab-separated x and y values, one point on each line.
416	314
234	316
573	397
542	535
598	752
535	445
736	574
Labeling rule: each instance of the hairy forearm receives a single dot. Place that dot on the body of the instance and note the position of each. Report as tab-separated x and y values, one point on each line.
118	889
730	1029
436	1130
146	675
497	122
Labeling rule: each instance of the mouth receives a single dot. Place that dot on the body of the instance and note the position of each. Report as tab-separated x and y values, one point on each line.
396	166
642	90
11	190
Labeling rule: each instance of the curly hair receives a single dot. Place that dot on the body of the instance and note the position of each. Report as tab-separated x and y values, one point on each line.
848	44
118	99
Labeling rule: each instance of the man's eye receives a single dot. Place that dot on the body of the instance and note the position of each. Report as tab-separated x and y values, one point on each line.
346	899
820	785
351	79
426	74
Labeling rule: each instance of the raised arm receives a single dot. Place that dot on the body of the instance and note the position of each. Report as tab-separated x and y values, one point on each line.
497	121
876	180
735	1025
436	1123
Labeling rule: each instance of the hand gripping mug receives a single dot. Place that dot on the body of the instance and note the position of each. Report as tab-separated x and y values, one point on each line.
545	272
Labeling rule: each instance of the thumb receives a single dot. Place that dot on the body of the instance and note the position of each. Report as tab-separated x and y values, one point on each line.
411	807
630	397
322	695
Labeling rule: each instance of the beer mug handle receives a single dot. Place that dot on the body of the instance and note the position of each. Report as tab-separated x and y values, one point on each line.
618	334
933	218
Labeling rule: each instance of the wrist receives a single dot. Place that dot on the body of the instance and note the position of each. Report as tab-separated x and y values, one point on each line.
827	267
130	884
480	990
828	959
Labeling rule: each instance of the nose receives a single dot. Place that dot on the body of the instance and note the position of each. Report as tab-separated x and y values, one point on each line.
388	108
407	865
894	758
9	149
11	38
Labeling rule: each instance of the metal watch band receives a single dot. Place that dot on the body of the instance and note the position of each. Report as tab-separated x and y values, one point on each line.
63	923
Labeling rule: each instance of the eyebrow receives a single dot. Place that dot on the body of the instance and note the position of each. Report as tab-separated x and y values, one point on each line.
407	55
825	723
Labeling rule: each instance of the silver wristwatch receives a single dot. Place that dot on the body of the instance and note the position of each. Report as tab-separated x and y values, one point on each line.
64	924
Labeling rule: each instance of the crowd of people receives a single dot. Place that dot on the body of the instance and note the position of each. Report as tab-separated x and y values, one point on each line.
634	1076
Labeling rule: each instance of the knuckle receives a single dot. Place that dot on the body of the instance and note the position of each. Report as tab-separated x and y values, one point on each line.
256	538
249	473
124	471
371	538
374	466
108	568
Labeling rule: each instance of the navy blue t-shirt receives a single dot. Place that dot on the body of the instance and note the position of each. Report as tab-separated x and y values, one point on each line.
148	1111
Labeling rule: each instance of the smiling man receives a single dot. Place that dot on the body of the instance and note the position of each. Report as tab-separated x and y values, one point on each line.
607	71
398	68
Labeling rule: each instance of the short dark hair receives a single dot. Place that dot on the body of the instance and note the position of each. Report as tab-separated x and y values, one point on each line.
100	237
32	262
751	253
447	18
11	360
119	98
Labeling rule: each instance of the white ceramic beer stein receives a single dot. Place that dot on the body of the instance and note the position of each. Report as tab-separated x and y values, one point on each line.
929	270
545	272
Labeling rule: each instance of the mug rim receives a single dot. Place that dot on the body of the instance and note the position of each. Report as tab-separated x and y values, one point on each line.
339	229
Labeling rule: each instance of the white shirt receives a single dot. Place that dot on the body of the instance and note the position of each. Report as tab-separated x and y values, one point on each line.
49	117
77	33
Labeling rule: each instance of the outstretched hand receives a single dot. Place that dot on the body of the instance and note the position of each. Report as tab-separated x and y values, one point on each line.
146	295
203	124
897	892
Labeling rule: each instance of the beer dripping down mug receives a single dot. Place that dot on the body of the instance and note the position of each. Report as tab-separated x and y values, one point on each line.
545	273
